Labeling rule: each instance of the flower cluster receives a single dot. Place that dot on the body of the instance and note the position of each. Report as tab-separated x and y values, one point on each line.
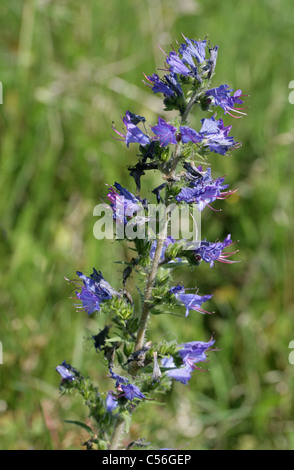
212	135
171	148
202	189
190	353
94	291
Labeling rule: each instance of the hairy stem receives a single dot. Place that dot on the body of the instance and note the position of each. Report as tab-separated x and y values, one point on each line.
148	293
117	433
189	106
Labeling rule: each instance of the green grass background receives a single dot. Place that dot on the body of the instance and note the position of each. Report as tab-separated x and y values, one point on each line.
68	69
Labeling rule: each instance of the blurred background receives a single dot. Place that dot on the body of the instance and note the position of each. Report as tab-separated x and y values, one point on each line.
70	68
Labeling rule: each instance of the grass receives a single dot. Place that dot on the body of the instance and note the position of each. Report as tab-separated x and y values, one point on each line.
70	69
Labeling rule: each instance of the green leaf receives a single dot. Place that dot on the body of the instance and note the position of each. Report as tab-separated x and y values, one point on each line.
128	419
173	265
114	339
155	311
81	425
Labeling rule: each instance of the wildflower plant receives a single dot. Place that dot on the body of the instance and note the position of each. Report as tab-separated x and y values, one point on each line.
138	369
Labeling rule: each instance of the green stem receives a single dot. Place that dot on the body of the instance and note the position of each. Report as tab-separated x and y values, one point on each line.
189	106
148	293
117	433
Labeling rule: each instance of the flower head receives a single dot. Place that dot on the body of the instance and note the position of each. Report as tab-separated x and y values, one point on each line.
94	291
192	49
176	64
194	352
133	134
203	189
189	135
222	96
190	301
67	372
165	132
215	136
123	203
181	374
211	252
191	353
129	390
111	402
159	86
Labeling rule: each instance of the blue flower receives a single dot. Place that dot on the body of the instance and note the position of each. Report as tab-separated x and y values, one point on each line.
193	49
203	189
222	96
194	352
133	134
111	402
181	374
168	85
159	86
90	301
189	135
123	203
211	252
165	132
209	68
190	301
191	353
66	371
129	390
94	291
215	135
176	64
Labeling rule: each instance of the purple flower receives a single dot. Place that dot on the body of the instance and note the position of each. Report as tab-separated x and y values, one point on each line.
173	83
123	203
190	301
176	64
194	352
159	86
213	51
129	391
188	134
90	302
111	402
133	134
168	85
215	135
192	49
94	291
66	371
165	132
181	374
211	252
118	378
191	353
222	96
203	190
